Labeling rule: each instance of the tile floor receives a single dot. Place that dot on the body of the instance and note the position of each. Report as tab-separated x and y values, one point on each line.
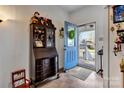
68	81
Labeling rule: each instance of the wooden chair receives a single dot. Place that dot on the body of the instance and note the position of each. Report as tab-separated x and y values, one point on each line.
19	79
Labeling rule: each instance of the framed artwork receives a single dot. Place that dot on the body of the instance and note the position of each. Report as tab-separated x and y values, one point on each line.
120	33
118	13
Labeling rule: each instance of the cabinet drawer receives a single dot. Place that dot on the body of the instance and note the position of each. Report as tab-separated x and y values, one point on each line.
39	68
39	62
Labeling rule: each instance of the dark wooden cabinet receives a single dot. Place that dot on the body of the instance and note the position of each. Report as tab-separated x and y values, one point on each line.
44	60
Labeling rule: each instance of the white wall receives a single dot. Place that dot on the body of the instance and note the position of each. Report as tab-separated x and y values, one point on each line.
14	37
12	45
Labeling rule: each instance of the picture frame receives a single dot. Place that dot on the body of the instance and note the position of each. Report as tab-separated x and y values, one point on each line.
118	13
38	44
120	33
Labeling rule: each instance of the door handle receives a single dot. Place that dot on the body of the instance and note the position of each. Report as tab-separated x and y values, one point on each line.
64	48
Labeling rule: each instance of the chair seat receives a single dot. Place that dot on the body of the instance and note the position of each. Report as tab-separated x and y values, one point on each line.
27	85
19	79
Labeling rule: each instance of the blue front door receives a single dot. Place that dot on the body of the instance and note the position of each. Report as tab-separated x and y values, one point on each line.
70	45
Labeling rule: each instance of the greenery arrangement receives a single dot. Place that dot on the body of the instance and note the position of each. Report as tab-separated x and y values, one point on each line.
71	34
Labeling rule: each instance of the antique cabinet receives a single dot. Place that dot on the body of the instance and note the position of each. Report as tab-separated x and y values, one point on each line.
43	53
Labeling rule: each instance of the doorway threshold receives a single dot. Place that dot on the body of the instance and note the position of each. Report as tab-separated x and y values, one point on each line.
87	66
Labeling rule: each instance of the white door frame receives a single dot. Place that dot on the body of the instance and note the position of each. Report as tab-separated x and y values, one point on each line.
95	41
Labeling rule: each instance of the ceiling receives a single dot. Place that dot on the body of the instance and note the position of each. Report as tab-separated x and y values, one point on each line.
71	8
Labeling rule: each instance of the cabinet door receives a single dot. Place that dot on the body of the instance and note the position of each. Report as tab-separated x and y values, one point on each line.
49	67
39	36
39	70
50	38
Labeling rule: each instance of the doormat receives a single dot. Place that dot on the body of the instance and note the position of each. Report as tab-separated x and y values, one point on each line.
87	66
80	73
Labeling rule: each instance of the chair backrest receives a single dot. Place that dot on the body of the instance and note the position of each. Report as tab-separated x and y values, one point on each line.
18	78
